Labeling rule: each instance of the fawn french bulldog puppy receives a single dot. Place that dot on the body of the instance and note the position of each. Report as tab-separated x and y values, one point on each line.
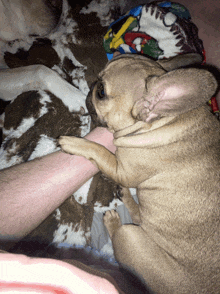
168	147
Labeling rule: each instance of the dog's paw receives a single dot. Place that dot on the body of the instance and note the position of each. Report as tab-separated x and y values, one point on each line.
112	222
72	145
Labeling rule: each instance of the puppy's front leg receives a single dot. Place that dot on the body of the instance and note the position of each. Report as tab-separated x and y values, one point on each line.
96	153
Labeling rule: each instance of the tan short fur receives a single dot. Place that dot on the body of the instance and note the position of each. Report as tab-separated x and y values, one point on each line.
173	161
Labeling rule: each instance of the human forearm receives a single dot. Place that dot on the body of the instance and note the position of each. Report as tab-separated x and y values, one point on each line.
31	191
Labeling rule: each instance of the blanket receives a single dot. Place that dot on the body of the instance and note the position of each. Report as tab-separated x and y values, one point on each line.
34	120
160	29
75	51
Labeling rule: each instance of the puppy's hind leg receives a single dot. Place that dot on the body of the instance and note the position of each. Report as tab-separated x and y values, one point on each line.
137	252
112	222
133	208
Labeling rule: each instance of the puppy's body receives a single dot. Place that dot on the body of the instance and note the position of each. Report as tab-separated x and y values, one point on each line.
179	199
174	164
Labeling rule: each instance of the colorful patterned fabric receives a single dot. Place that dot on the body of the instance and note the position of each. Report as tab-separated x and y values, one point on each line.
157	30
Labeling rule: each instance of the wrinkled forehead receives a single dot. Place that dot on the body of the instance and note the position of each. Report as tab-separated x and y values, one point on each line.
131	65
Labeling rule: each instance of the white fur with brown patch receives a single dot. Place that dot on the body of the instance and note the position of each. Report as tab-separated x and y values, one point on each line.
64	34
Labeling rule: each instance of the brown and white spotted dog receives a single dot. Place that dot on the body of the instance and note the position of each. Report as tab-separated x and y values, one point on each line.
48	62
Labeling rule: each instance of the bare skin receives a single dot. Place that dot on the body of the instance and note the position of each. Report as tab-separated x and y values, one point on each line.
32	190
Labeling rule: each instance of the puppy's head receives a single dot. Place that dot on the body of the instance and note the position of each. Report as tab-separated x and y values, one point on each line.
133	87
118	87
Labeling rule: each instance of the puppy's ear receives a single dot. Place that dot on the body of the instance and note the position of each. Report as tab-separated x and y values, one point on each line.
174	93
180	61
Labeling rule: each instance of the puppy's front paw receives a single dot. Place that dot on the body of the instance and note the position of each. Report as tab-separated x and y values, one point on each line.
72	145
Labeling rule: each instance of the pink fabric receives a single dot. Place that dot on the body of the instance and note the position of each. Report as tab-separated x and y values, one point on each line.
38	275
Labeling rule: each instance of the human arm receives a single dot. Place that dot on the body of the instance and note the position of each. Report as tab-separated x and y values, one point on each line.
31	191
20	274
